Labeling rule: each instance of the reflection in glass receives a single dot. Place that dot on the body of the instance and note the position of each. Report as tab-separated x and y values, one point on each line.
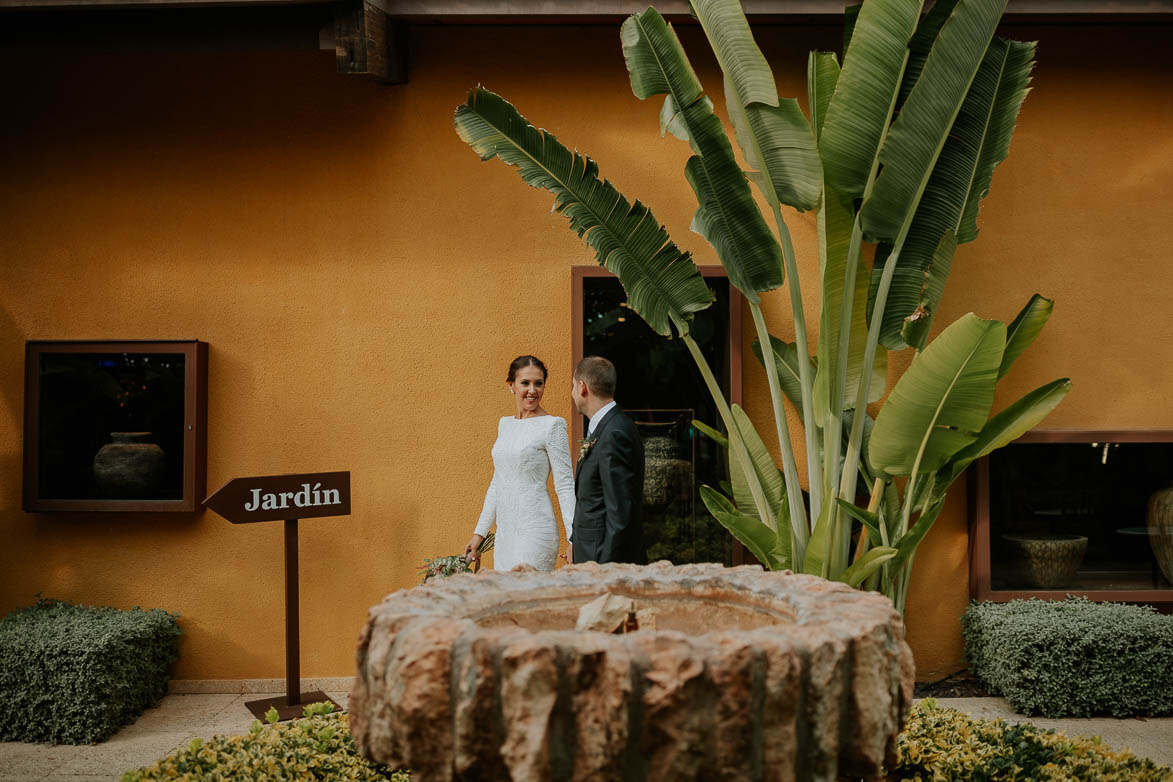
1079	515
111	426
662	391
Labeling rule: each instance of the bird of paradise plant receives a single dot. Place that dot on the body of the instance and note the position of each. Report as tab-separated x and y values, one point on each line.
903	135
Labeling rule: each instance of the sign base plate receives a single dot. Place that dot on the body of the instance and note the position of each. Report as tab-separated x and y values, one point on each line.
284	710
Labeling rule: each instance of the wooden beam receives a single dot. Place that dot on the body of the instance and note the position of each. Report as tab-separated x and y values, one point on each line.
368	42
555	11
606	11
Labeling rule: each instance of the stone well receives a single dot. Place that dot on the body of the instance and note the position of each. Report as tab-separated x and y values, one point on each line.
746	675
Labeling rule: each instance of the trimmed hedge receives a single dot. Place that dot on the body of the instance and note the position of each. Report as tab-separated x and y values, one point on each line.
944	744
1074	657
320	747
75	674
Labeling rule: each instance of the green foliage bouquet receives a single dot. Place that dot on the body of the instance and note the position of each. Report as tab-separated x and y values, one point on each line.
442	567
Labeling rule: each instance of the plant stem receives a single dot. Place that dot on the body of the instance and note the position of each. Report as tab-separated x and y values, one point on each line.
798	520
736	443
814	472
855	444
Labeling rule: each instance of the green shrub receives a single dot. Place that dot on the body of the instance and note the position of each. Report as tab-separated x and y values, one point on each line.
1074	657
318	747
76	674
944	744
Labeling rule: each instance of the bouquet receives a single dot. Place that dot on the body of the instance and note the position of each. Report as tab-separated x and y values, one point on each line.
442	567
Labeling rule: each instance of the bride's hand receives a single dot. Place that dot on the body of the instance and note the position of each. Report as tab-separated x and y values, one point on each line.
472	551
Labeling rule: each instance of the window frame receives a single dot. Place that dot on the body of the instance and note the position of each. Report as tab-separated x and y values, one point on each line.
978	491
741	555
195	436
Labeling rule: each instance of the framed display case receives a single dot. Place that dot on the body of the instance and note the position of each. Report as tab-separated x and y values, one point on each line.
115	426
1085	512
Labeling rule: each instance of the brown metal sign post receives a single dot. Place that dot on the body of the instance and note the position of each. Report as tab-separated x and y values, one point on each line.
288	498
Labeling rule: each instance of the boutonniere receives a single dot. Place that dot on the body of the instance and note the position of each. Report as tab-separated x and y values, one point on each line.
584	447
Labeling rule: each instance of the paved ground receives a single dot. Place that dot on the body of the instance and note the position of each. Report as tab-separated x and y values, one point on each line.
180	718
1147	738
158	732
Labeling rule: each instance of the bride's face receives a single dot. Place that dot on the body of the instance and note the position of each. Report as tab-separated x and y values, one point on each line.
528	387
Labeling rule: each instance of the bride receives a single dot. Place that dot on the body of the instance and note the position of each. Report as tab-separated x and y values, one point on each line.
529	445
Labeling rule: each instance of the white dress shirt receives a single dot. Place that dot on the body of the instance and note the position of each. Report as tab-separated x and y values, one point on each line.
598	416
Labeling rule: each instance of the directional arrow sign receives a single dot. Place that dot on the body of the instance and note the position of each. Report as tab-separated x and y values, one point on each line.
276	497
288	498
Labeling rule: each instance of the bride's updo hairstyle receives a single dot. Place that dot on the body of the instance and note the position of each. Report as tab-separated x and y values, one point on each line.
521	362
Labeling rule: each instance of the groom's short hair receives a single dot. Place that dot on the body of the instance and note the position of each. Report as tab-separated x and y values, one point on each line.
599	375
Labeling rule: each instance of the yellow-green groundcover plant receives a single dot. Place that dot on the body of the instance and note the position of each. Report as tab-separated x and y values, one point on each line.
937	744
944	744
317	747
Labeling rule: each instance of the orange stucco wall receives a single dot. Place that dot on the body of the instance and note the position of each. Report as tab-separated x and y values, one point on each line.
363	282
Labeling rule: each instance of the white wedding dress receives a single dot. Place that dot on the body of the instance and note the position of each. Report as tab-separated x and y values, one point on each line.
525	451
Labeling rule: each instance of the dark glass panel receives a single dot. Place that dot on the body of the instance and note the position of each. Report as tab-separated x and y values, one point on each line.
1073	515
88	401
662	390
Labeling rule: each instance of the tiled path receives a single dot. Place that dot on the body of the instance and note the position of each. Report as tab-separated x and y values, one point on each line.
180	718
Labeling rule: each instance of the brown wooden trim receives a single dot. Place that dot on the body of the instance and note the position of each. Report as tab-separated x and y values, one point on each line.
368	42
979	534
1097	436
194	436
980	581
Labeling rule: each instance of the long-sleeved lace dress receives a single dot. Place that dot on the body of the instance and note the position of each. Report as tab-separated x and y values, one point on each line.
526	451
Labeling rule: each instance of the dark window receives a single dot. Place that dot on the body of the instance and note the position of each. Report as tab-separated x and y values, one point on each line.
661	389
1076	515
115	426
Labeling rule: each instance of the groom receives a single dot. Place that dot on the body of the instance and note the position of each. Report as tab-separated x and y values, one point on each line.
609	479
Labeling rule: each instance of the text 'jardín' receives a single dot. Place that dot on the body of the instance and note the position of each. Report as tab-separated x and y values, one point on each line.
305	498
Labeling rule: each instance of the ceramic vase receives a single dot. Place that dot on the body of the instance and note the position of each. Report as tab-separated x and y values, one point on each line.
666	476
1048	561
130	467
1160	523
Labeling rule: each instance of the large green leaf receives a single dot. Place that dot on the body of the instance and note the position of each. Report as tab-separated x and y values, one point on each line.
870	521
835	217
942	401
918	133
773	134
1014	61
978	140
906	546
663	285
1006	427
739	487
866	565
1023	330
711	433
816	547
728	217
862	104
767	471
786	360
921	42
822	74
755	536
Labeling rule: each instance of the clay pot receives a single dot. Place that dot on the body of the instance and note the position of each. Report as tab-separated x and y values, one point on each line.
1049	561
129	467
1160	523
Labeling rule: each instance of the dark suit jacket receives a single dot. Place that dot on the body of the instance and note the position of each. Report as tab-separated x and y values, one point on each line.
609	491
